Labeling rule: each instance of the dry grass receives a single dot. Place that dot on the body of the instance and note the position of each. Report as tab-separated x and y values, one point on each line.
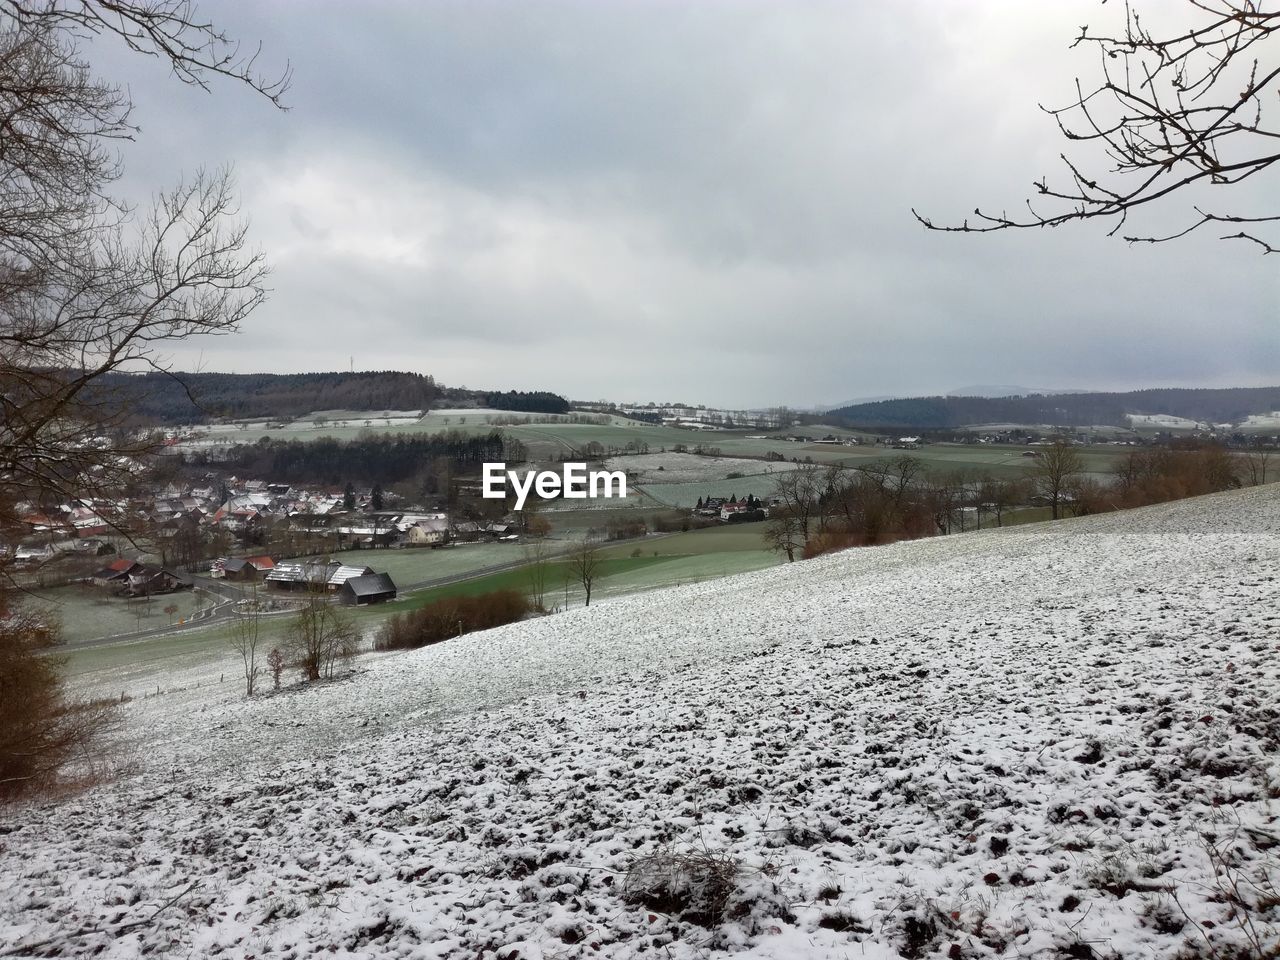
692	885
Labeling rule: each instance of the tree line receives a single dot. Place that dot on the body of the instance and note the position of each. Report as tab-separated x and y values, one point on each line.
821	508
374	458
1229	405
530	401
185	398
190	398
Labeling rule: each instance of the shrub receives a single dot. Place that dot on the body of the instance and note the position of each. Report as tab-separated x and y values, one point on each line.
451	617
41	731
626	529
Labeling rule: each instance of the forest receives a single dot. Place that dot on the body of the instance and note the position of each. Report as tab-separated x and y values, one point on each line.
196	397
532	401
376	458
187	398
1068	409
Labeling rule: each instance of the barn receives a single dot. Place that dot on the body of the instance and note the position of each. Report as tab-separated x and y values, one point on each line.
368	588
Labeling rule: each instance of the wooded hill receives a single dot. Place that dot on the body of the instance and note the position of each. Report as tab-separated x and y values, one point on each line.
381	458
1229	405
198	397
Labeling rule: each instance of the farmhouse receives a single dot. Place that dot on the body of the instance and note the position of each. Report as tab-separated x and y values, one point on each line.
427	533
148	581
367	588
345	573
243	569
117	572
313	575
310	574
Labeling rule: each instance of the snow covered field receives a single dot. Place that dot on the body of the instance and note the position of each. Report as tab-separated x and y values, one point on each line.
1263	420
1055	741
1164	421
651	468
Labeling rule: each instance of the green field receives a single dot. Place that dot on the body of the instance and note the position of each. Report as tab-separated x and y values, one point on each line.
627	567
86	611
416	564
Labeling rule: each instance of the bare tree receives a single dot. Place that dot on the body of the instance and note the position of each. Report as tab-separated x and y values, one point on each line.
321	635
1256	461
1055	470
87	288
584	566
999	496
537	556
246	630
1171	112
800	491
782	533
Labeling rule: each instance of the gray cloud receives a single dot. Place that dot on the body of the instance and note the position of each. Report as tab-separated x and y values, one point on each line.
703	201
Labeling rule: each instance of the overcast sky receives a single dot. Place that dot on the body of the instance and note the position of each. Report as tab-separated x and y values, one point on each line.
703	201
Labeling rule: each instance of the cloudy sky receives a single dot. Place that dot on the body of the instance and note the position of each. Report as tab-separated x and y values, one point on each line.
702	201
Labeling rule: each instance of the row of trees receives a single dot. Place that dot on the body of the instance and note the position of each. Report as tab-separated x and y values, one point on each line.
159	398
370	458
822	508
450	617
527	401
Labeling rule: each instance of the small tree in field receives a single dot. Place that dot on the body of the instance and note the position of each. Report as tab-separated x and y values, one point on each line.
275	663
320	636
1055	471
782	533
246	629
537	554
1256	461
584	566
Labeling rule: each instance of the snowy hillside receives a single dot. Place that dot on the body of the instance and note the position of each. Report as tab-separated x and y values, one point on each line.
1049	741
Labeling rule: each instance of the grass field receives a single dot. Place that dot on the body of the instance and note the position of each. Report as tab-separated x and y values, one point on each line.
134	667
86	611
414	565
686	495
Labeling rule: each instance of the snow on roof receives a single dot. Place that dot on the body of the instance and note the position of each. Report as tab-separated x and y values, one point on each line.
345	573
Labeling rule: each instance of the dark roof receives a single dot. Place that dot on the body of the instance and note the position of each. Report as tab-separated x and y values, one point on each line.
235	565
371	584
118	570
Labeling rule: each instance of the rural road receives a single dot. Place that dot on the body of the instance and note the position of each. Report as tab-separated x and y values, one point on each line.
228	594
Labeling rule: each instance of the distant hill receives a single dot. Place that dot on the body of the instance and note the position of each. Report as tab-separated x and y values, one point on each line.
197	397
1230	405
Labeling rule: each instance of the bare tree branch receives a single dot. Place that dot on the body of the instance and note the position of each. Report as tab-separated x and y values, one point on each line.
1174	113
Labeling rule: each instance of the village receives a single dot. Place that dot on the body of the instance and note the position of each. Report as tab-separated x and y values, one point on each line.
250	531
281	541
